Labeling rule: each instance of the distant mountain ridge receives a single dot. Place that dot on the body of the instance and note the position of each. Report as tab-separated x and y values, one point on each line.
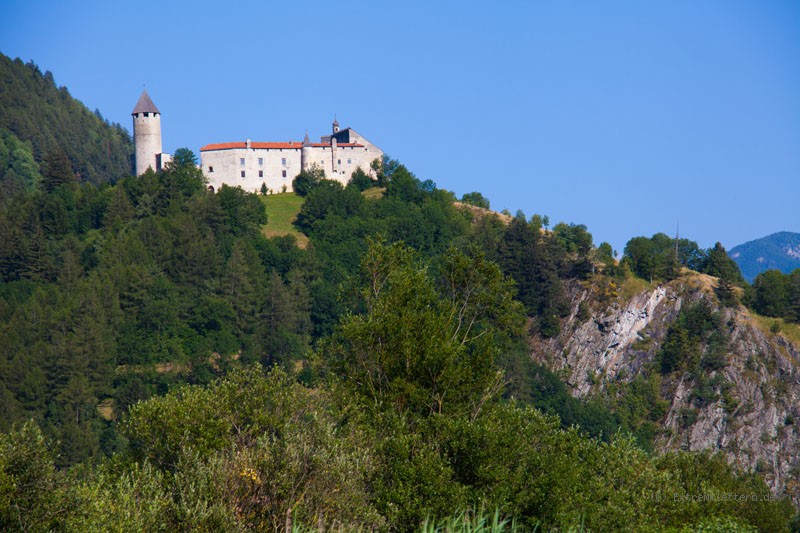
779	251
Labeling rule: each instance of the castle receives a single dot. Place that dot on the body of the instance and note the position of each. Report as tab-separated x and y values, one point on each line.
147	136
254	165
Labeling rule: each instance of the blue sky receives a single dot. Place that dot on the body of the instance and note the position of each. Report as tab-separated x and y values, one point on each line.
624	116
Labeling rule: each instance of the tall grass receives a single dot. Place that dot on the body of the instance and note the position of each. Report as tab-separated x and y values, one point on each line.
468	521
471	522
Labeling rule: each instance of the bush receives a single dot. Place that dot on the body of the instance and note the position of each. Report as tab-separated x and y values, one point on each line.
307	180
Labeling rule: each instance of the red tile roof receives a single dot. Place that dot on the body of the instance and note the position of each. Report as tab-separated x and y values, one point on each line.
282	145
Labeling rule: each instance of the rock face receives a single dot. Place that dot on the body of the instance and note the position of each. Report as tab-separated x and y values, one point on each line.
753	412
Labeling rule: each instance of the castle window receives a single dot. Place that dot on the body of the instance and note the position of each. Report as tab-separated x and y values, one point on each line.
242	173
261	161
146	114
338	161
349	161
210	169
283	173
260	173
241	162
283	161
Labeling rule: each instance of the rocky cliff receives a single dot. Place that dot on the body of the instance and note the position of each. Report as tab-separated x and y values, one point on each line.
746	406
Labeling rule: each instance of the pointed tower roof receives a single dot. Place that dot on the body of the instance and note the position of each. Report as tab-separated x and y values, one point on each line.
306	141
145	105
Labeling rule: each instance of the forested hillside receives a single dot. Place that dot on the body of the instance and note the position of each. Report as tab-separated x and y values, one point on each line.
170	362
164	365
41	121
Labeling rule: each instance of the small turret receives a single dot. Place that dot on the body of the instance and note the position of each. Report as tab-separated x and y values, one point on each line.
146	134
305	153
335	125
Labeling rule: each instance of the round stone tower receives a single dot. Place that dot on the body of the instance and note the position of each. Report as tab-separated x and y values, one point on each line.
146	134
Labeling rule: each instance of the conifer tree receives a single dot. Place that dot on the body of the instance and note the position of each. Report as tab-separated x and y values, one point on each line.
58	170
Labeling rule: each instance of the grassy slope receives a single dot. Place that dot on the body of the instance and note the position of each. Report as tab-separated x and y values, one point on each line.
788	330
282	210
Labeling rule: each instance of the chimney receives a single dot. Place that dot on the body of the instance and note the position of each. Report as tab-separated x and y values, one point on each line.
248	143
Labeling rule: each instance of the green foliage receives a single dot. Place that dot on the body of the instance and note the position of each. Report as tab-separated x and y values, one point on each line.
184	157
57	170
285	319
361	180
605	254
112	295
533	384
574	238
275	446
696	340
404	186
777	295
328	199
534	262
18	168
476	199
38	112
710	494
420	351
244	212
32	497
719	264
307	180
134	284
639	407
470	522
655	258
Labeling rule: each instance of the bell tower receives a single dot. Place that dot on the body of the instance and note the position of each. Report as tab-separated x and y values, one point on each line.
146	134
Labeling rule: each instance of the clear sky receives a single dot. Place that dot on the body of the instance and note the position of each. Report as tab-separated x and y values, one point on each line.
624	116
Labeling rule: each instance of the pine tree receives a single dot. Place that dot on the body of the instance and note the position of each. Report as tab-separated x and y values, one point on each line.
58	170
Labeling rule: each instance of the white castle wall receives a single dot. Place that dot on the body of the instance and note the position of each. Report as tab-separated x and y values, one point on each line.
341	163
225	167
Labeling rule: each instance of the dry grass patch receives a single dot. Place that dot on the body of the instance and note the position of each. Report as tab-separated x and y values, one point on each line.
479	212
106	409
633	286
374	193
788	330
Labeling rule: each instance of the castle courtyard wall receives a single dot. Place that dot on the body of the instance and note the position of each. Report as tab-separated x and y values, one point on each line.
275	167
251	164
